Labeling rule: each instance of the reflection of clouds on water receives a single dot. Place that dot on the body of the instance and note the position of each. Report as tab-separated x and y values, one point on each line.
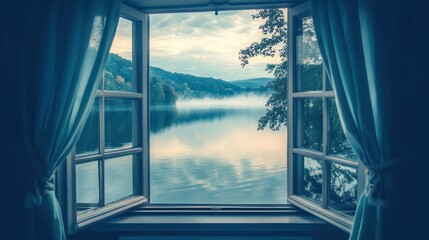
213	181
262	147
218	156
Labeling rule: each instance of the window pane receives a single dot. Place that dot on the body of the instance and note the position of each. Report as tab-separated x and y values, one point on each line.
89	141
343	189
87	190
328	85
119	123
309	124
338	144
309	178
118	74
309	60
118	178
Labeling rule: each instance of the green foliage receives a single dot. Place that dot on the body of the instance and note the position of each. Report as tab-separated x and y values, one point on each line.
170	94
167	87
313	182
161	93
118	74
341	193
275	29
343	188
312	118
157	95
276	113
189	86
252	83
343	185
311	77
338	144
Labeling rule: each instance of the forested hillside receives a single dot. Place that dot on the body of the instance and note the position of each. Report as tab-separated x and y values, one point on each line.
252	83
166	87
189	86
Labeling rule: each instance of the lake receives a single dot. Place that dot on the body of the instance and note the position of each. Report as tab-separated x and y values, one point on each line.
209	151
202	151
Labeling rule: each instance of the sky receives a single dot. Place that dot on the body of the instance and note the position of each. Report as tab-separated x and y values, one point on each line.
200	44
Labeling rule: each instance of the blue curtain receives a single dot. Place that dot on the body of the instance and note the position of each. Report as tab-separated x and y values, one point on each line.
368	53
58	51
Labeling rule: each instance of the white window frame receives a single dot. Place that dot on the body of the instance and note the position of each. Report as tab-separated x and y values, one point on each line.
323	211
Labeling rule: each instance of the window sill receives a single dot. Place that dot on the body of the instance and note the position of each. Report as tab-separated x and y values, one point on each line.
167	222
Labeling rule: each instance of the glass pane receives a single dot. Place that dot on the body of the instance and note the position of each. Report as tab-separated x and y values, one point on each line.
118	72
118	178
338	145
309	60
119	123
87	190
89	141
309	124
328	85
343	189
309	178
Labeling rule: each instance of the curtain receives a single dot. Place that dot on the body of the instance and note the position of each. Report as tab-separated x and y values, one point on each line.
367	48
58	50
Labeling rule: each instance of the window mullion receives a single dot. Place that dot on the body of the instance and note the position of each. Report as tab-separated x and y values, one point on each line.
71	197
326	165
324	78
144	29
137	110
102	149
101	182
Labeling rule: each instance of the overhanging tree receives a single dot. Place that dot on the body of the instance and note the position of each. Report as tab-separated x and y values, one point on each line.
275	42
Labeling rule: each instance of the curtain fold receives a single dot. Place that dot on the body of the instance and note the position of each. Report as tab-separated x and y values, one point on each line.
365	45
60	50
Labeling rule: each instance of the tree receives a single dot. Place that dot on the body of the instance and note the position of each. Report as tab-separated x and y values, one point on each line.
275	28
170	95
343	183
157	95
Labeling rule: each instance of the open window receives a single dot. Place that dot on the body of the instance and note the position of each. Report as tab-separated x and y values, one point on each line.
325	174
109	170
103	175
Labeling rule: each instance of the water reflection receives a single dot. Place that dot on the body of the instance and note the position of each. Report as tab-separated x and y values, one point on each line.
211	153
164	117
198	181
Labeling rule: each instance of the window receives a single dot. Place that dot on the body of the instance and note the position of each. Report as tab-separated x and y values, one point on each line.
105	170
325	175
205	146
110	169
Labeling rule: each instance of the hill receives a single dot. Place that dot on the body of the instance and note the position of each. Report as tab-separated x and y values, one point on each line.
252	83
190	86
166	87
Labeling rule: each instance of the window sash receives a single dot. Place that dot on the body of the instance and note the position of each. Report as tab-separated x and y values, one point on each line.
322	210
66	174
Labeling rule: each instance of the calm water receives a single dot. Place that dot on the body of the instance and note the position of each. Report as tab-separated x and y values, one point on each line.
210	152
201	152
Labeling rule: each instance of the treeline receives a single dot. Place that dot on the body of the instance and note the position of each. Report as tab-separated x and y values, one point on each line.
167	87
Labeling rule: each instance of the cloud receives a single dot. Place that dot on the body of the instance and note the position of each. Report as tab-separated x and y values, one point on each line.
122	43
201	44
